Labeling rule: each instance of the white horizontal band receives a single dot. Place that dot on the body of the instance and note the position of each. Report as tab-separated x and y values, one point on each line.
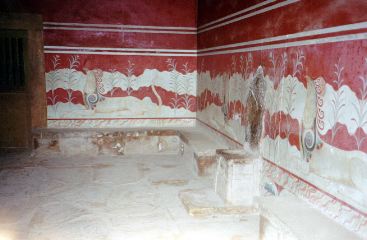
118	49
263	10
165	29
118	26
237	13
204	52
122	30
348	37
122	53
355	26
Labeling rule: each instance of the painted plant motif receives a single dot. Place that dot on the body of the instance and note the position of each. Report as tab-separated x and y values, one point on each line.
246	66
278	69
337	103
298	63
52	81
291	89
312	125
279	66
233	65
361	110
71	79
113	82
186	87
130	79
174	83
76	88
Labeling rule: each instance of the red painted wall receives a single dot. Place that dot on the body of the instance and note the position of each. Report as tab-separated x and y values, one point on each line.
108	35
298	17
211	10
139	12
174	13
292	40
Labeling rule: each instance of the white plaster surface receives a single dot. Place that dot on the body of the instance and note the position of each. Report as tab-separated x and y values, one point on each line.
237	182
202	141
52	197
288	218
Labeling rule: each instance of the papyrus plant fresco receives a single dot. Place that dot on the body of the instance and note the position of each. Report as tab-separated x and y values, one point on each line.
343	108
338	101
79	87
292	88
284	107
315	117
114	81
71	80
286	73
186	86
278	66
130	78
182	84
360	108
52	82
117	81
174	84
246	65
246	70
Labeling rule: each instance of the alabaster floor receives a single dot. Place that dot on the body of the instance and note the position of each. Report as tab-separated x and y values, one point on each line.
53	197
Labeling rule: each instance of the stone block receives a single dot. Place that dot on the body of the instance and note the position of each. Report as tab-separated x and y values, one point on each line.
237	177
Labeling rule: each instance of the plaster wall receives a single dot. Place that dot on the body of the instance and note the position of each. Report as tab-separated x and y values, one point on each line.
118	63
314	58
114	64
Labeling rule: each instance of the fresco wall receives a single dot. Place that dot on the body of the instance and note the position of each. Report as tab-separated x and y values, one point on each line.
118	63
311	72
123	93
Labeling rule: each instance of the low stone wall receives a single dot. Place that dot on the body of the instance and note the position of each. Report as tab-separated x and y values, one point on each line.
109	142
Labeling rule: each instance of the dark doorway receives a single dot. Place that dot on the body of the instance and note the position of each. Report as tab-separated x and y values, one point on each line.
14	108
22	87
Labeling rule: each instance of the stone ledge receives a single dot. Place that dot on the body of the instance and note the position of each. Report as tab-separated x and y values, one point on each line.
107	141
205	202
116	140
235	155
204	146
289	218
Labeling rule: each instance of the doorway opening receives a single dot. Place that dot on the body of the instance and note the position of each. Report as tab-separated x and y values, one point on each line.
22	86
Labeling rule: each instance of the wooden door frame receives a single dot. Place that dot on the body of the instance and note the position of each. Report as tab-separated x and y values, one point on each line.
34	69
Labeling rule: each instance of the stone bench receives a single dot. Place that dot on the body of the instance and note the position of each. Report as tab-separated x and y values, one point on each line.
204	147
108	141
289	218
199	141
131	140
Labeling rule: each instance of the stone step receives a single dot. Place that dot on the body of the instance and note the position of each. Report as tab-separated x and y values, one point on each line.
205	202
